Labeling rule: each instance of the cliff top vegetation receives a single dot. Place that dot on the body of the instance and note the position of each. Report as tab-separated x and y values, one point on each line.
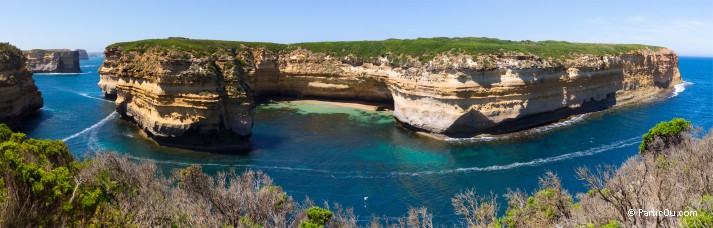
197	47
8	50
423	48
45	51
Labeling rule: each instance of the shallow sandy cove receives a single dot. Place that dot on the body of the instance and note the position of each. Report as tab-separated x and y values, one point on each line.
365	106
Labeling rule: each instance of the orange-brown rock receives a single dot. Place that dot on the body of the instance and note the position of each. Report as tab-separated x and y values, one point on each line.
174	93
19	96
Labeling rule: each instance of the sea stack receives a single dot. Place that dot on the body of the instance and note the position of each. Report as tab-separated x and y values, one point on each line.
53	61
19	96
204	90
83	54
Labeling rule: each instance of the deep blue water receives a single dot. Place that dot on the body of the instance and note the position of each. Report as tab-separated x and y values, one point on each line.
345	155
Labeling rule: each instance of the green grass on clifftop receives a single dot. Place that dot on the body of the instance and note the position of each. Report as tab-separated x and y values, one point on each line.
428	47
199	47
423	48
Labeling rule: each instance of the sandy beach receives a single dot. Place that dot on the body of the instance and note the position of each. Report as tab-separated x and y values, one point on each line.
365	106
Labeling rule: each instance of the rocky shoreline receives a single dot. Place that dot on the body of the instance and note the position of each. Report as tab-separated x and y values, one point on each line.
200	95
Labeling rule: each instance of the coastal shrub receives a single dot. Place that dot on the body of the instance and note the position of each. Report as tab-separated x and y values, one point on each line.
475	210
317	217
642	183
5	132
668	132
704	218
36	179
549	205
42	185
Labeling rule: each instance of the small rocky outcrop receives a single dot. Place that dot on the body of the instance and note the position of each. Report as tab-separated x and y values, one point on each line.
205	90
19	96
53	61
83	54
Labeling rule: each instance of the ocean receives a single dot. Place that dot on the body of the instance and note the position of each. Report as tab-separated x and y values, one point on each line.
362	159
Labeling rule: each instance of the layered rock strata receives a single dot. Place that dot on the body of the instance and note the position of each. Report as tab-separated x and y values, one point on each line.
19	96
53	61
198	103
175	93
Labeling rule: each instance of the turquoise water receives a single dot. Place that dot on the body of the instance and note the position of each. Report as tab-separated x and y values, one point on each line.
345	155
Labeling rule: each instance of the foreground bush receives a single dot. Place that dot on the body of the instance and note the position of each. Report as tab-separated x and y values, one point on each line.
673	171
663	135
42	185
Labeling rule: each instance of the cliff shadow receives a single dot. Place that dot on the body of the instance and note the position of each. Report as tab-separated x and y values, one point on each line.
32	121
474	122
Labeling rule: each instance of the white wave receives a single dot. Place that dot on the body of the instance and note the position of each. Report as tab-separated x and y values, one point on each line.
88	65
536	162
88	72
679	88
130	135
95	98
83	94
563	123
98	124
374	175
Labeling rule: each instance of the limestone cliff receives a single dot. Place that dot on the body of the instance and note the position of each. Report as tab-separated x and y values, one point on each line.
53	61
182	100
18	94
455	87
83	54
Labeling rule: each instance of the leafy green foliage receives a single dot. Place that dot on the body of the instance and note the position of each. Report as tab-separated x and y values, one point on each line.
5	132
542	204
422	48
317	217
247	223
669	132
426	48
39	171
611	224
9	51
704	218
196	47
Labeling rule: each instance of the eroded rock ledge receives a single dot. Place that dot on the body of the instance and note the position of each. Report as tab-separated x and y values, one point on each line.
53	61
200	94
18	93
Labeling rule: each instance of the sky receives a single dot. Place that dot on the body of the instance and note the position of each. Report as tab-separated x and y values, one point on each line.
685	26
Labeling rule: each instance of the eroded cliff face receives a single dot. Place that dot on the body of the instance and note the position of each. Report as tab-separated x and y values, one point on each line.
83	54
18	94
181	101
519	92
53	61
173	94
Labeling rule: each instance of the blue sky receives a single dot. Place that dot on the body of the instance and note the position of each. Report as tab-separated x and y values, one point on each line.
684	26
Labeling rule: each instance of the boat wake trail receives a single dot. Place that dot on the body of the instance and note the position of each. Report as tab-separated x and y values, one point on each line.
98	124
536	162
83	94
373	175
